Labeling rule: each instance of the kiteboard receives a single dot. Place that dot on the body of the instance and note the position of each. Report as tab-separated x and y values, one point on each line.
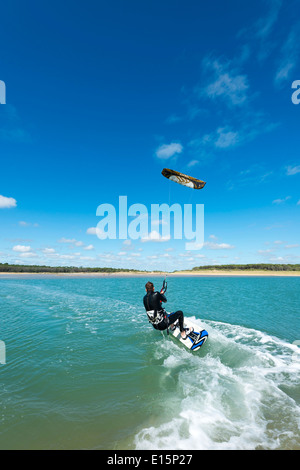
195	339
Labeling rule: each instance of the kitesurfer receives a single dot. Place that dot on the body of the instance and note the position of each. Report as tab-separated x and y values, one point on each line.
157	315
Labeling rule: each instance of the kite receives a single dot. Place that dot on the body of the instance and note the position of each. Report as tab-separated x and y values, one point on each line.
185	180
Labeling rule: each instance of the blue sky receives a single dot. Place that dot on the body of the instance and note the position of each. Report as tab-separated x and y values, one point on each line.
101	96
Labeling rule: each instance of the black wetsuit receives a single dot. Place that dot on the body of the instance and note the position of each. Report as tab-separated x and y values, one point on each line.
152	302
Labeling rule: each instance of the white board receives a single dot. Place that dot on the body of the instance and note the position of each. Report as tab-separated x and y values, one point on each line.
194	340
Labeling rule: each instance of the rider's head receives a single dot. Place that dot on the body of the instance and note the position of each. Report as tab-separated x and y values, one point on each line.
149	287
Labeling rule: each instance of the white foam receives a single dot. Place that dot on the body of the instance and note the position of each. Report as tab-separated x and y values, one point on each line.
231	394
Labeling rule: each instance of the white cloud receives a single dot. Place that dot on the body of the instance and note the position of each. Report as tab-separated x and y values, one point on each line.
232	89
168	150
251	124
173	118
292	170
22	249
73	241
289	56
159	222
193	163
67	240
193	246
265	25
27	224
94	231
218	246
278	258
271	227
221	138
224	83
226	138
89	247
254	175
154	236
29	254
7	202
281	201
48	251
227	83
258	35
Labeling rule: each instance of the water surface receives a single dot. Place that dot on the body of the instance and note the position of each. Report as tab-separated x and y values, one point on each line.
86	370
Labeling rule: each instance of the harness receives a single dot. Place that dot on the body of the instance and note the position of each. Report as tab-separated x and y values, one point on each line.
155	316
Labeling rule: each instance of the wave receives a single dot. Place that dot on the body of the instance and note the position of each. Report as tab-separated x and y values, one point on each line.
241	391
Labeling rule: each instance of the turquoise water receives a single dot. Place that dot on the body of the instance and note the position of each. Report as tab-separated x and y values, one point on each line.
85	370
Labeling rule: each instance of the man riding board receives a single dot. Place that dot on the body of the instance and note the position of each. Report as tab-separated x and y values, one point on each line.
157	315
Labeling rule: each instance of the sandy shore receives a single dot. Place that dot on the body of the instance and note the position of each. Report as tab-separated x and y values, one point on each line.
158	274
238	273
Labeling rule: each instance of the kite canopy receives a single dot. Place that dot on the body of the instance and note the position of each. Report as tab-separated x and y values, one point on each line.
185	180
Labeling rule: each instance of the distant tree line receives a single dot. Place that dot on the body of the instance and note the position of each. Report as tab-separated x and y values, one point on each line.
250	267
18	268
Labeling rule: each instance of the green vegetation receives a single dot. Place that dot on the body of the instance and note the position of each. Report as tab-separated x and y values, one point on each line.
17	268
250	267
